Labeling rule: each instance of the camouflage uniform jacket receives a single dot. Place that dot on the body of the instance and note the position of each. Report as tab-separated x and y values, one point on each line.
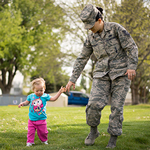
114	49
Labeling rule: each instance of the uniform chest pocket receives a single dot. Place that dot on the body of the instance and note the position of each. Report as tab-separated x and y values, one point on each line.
112	41
99	49
113	45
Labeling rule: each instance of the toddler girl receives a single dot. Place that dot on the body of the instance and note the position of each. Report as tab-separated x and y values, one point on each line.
37	110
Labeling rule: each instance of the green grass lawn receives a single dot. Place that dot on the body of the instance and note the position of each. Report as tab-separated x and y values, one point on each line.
67	129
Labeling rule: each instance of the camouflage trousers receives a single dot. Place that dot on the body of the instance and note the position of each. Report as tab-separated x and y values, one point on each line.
102	90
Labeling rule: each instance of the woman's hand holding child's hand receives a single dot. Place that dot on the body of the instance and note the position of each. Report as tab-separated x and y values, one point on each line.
63	89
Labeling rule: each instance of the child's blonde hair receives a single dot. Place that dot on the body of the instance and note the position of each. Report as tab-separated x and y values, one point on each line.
38	81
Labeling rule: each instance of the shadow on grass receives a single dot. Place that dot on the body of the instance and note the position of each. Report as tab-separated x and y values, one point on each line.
136	136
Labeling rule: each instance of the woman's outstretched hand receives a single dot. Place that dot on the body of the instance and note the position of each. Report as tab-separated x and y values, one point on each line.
68	86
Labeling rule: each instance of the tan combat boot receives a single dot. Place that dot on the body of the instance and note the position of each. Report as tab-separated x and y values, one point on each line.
90	139
112	141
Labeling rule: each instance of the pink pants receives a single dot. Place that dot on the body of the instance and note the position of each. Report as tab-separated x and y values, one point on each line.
40	126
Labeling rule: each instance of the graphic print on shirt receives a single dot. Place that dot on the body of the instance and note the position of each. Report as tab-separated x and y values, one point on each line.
37	105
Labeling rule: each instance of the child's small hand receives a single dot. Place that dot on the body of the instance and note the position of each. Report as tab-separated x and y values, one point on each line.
63	89
21	104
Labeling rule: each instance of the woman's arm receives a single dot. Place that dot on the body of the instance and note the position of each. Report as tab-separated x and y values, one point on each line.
129	45
131	48
81	60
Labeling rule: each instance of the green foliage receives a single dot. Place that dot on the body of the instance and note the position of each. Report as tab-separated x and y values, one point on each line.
46	20
68	129
31	33
14	46
13	43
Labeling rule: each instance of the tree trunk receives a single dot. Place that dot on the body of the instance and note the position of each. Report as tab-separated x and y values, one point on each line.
6	90
6	81
134	92
143	95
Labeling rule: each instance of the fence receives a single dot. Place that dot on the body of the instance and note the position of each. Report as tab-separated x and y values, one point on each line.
11	99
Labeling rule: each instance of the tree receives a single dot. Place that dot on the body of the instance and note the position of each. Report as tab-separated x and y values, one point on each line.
14	43
29	28
134	16
48	27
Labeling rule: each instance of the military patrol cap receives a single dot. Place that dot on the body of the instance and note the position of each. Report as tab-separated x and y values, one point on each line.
88	16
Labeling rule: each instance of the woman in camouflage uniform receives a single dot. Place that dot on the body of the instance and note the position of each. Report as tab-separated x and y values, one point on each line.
117	58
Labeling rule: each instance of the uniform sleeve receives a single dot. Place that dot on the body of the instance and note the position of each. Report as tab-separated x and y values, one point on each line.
81	60
129	46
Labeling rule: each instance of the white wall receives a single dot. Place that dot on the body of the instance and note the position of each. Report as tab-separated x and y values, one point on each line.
62	101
